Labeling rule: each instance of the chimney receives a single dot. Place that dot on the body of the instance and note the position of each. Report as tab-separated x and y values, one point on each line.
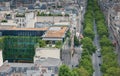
1	58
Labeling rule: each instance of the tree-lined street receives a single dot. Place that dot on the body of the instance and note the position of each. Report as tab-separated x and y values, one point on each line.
97	57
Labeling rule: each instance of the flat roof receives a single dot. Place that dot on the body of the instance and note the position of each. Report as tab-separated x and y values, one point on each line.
9	23
15	28
55	32
62	23
5	67
48	52
49	62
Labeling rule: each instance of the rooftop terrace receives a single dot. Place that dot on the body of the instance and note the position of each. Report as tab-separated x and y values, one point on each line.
55	32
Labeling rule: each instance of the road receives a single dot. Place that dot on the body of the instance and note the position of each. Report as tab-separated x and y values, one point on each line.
66	53
95	59
66	56
66	50
76	57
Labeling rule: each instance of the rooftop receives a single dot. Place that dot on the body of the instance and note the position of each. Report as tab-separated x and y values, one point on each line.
48	52
56	32
117	23
49	62
8	23
42	24
15	28
116	7
62	23
27	69
5	68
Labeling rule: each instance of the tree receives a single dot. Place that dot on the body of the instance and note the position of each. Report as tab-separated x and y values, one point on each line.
68	33
88	32
106	49
1	43
42	43
64	71
80	72
4	21
76	41
105	41
102	31
83	72
113	71
38	13
58	44
88	45
86	62
75	72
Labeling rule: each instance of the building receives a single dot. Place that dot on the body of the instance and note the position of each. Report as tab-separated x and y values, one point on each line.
14	31
18	3
20	39
24	19
114	22
106	4
39	6
1	58
52	19
42	24
4	6
46	63
46	52
62	24
55	33
42	67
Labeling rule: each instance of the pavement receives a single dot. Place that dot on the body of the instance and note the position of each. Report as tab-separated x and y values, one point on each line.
112	38
76	57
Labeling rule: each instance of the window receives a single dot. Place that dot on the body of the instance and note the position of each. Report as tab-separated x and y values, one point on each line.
49	68
22	20
20	24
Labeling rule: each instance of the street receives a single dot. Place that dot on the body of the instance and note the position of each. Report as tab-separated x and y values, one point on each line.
76	27
95	59
66	56
66	53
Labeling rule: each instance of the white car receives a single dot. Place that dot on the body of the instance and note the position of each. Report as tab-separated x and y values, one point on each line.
98	53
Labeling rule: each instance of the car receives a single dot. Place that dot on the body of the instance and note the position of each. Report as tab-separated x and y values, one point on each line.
99	64
98	53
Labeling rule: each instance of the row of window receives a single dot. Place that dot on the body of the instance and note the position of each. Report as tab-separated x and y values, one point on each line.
22	33
20	20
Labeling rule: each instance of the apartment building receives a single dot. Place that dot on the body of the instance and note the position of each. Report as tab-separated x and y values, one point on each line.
114	22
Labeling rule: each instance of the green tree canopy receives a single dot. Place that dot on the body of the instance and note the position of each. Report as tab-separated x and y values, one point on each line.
58	44
64	71
42	43
88	45
76	41
105	41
